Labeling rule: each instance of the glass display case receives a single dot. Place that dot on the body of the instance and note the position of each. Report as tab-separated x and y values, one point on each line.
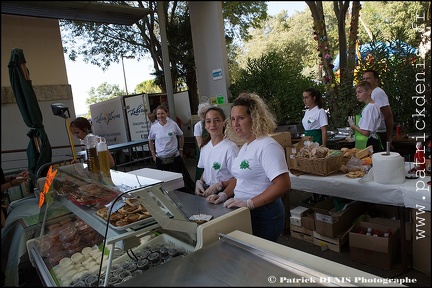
105	230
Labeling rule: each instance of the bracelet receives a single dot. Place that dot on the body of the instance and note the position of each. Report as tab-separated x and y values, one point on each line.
180	149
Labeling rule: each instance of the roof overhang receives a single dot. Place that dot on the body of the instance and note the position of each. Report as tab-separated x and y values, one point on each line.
88	11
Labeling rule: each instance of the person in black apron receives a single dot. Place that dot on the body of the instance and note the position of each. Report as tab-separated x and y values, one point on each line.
370	118
315	124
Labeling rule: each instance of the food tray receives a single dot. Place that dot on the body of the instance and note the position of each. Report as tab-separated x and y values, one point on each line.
156	241
319	166
100	200
133	224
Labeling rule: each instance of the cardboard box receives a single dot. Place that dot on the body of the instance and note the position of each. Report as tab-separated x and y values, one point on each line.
421	231
334	244
308	220
331	223
294	220
291	151
301	233
392	222
283	138
375	251
299	211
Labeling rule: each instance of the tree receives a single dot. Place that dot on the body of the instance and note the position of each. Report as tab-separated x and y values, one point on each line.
104	92
148	86
284	84
106	43
338	93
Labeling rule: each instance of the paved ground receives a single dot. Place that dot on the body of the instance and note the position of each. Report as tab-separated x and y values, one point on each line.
29	277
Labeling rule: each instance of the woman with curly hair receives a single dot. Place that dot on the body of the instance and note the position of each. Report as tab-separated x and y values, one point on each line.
260	169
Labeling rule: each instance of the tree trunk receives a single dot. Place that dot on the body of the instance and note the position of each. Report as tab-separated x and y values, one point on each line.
324	54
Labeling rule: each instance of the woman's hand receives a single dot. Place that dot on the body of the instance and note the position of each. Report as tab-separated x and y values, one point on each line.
20	178
217	198
233	202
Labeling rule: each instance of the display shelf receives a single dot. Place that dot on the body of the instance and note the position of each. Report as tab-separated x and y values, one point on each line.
170	212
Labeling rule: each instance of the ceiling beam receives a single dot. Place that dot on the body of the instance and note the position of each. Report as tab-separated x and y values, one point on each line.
87	11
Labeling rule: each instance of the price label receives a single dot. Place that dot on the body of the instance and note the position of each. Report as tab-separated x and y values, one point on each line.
49	179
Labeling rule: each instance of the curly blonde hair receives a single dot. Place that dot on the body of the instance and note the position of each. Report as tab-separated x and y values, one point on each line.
263	121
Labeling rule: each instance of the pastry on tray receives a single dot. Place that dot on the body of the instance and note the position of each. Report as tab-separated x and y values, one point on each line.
130	213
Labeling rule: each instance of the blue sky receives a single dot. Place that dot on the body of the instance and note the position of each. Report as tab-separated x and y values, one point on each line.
82	76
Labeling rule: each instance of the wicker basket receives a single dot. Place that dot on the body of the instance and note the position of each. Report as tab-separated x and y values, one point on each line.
319	166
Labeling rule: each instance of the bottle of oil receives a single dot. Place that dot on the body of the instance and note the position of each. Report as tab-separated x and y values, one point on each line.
91	141
102	154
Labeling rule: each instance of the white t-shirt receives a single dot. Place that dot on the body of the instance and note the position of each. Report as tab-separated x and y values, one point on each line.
198	129
381	99
165	138
256	165
217	161
370	118
314	118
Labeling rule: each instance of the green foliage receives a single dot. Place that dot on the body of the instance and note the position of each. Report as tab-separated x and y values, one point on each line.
383	17
404	77
104	92
276	77
147	86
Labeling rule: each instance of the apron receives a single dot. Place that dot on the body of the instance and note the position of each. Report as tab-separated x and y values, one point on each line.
360	139
316	135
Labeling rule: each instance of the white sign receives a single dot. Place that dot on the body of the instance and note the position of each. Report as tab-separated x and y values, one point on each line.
136	113
217	74
108	120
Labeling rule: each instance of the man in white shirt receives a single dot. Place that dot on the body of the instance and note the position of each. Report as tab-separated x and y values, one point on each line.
381	99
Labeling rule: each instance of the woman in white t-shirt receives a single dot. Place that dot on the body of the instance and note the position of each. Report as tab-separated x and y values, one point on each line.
166	142
217	154
315	120
199	133
260	169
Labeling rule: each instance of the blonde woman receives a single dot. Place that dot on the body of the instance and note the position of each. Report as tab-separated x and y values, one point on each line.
260	169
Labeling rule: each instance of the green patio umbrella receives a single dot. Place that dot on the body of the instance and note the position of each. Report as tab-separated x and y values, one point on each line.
39	148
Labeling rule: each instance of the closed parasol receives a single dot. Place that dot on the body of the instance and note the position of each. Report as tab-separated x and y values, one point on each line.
39	148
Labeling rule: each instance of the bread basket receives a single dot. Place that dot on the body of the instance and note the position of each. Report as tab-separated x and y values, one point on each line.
319	166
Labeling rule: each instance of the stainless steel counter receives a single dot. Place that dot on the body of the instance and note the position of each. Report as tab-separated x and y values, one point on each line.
193	205
241	259
222	263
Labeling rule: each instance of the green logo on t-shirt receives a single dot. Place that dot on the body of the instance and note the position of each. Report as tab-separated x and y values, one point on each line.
216	166
244	165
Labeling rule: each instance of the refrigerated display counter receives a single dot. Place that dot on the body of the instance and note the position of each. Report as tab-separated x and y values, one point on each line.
170	225
241	259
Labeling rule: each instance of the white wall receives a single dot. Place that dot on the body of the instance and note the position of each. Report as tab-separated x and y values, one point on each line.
40	40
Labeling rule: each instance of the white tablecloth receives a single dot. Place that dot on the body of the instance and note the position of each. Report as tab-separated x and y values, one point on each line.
413	193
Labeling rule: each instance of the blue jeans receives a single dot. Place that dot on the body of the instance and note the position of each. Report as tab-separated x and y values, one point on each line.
268	221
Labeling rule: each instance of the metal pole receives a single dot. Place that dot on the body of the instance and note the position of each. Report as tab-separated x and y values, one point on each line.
70	138
165	60
124	73
124	76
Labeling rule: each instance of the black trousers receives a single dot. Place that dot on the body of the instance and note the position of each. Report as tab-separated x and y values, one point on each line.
178	166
